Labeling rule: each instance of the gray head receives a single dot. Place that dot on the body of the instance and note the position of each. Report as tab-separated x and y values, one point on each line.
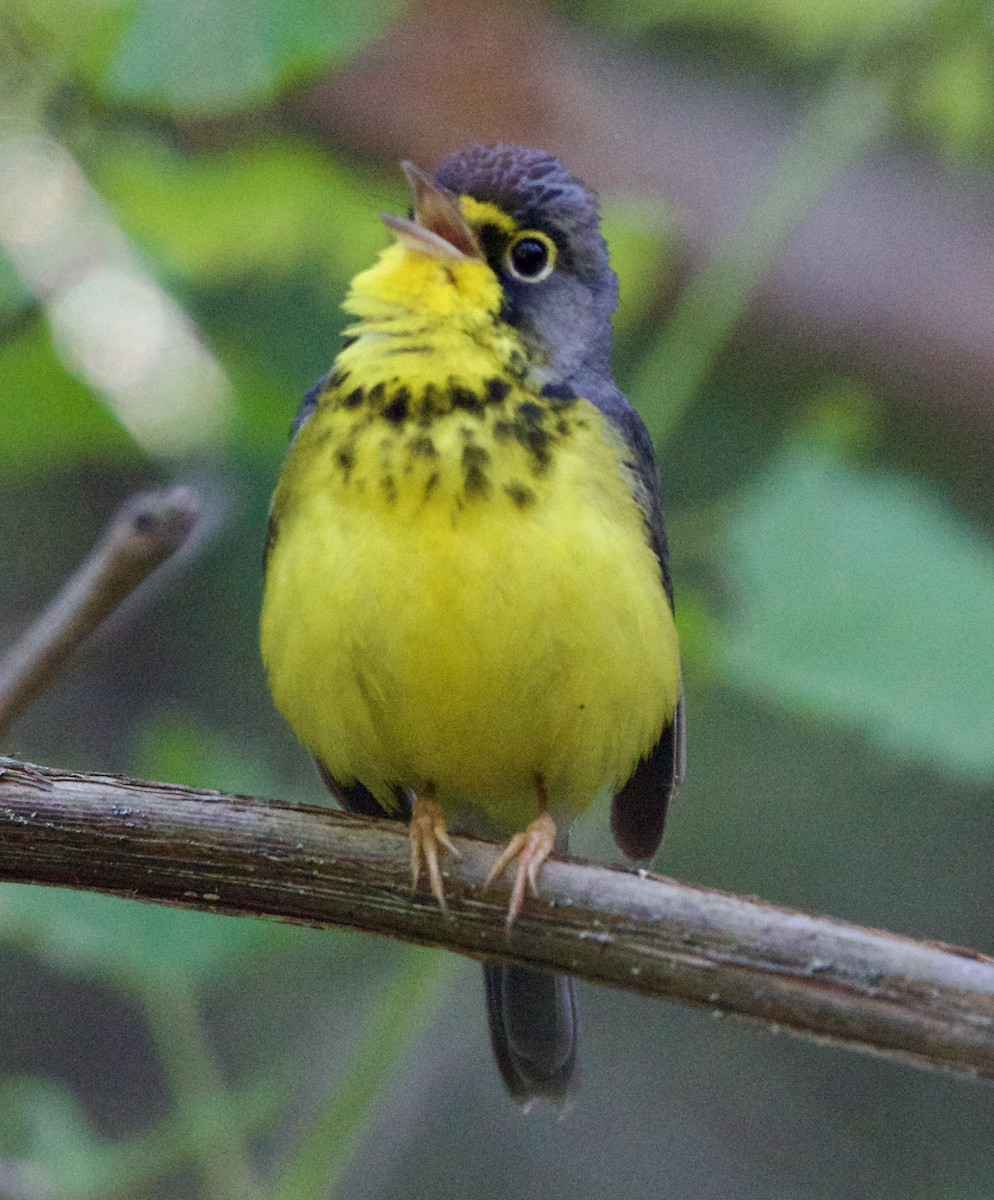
550	257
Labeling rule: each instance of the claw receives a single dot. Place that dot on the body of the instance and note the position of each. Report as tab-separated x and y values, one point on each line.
531	847
427	832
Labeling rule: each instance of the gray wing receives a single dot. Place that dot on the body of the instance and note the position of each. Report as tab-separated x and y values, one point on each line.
308	405
303	415
357	798
638	811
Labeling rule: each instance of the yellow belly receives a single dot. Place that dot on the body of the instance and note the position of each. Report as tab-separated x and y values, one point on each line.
474	648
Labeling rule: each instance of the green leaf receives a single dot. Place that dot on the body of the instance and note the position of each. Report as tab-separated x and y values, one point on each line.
273	208
642	236
79	36
173	747
955	100
49	1149
860	596
209	57
125	943
851	114
200	1094
801	27
46	1141
320	1159
49	417
14	297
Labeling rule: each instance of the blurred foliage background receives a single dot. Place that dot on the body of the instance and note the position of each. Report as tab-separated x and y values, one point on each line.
799	201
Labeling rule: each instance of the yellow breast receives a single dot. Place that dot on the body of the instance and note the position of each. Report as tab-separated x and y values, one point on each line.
460	594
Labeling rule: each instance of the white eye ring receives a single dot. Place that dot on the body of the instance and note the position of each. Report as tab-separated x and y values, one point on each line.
531	257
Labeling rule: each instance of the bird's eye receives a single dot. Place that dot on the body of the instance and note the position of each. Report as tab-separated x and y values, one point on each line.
531	256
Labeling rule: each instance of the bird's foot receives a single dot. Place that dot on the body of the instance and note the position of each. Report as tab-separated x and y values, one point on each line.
531	847
427	832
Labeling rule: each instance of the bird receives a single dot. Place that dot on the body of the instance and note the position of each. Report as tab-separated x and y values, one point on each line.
467	615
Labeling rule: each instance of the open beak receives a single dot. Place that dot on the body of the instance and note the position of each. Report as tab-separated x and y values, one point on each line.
438	228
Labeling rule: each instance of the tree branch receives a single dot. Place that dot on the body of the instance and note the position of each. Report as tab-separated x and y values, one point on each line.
924	1003
142	534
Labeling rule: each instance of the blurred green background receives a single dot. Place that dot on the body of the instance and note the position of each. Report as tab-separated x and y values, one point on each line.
799	201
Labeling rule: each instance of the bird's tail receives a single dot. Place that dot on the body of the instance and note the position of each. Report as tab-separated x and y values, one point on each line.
533	1030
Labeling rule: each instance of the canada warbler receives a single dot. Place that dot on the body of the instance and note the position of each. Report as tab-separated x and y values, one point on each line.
468	611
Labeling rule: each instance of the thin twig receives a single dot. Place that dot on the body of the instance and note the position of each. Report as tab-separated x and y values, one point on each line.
921	1002
144	532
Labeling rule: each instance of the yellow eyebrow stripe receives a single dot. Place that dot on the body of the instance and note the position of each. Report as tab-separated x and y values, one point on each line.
482	212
